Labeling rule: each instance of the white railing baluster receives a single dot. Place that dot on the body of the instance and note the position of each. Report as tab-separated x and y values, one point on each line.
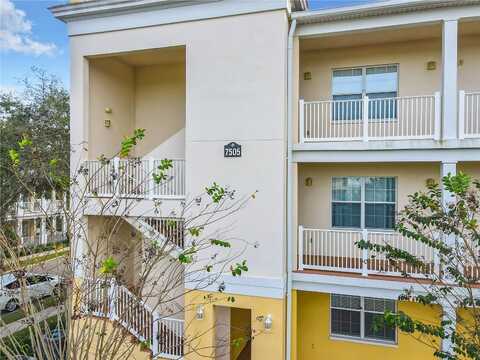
336	250
301	119
407	117
469	114
132	178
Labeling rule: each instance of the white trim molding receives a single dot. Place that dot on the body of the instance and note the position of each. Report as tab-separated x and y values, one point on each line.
380	8
240	285
112	15
334	284
384	15
303	155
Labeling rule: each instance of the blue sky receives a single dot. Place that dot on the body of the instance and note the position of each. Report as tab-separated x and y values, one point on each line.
31	36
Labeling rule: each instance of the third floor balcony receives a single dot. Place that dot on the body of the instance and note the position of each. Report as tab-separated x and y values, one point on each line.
418	82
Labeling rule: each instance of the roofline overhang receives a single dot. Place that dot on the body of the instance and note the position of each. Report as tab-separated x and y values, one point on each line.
96	8
380	8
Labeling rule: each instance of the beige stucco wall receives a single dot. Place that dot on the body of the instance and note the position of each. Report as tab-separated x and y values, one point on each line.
159	103
314	202
229	97
469	54
149	97
470	168
412	57
111	236
111	84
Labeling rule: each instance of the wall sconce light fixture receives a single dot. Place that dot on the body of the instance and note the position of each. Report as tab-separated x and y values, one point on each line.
431	65
268	322
108	110
107	123
308	181
307	75
200	312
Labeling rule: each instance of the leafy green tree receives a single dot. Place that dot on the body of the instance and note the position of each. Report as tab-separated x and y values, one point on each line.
34	139
451	227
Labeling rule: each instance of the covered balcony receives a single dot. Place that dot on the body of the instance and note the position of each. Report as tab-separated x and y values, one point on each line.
390	84
341	204
137	90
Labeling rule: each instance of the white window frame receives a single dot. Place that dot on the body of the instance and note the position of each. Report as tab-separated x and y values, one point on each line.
362	201
362	311
363	94
364	77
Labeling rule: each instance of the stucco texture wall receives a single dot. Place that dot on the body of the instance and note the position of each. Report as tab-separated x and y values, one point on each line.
314	202
266	345
411	56
150	97
314	341
235	76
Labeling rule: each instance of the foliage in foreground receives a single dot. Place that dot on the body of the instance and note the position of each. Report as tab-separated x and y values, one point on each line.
451	227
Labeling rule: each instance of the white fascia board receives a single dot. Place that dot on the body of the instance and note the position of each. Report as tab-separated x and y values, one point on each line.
157	13
240	285
375	8
390	156
388	21
331	284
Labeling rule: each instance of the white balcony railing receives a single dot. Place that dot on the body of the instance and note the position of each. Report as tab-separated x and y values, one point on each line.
469	114
164	336
336	250
133	178
399	118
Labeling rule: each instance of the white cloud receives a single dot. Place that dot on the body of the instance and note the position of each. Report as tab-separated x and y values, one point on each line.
15	32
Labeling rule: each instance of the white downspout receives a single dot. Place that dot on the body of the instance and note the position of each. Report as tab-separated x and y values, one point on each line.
289	185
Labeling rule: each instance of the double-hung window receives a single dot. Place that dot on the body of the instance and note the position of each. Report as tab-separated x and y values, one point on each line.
361	318
364	202
379	83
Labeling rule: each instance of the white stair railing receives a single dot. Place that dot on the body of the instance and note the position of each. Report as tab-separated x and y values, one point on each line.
133	178
397	118
164	336
160	229
337	250
469	114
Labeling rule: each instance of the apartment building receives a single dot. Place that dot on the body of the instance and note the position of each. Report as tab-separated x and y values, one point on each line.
340	115
38	220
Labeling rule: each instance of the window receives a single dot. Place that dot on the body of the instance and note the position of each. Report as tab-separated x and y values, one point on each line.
379	83
362	318
347	201
363	202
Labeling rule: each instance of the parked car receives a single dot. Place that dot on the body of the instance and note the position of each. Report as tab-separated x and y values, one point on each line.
36	286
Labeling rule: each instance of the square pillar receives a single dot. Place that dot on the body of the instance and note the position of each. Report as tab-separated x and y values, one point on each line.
447	168
449	78
20	230
43	230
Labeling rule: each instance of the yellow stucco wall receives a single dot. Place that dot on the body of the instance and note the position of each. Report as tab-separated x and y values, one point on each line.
314	342
265	344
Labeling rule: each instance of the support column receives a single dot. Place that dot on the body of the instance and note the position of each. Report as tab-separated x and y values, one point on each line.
449	314
449	78
43	230
20	229
447	168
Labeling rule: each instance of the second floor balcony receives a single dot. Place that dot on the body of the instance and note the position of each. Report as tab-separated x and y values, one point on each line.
134	178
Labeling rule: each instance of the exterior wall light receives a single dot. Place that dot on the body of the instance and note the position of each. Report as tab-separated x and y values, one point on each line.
268	322
200	312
